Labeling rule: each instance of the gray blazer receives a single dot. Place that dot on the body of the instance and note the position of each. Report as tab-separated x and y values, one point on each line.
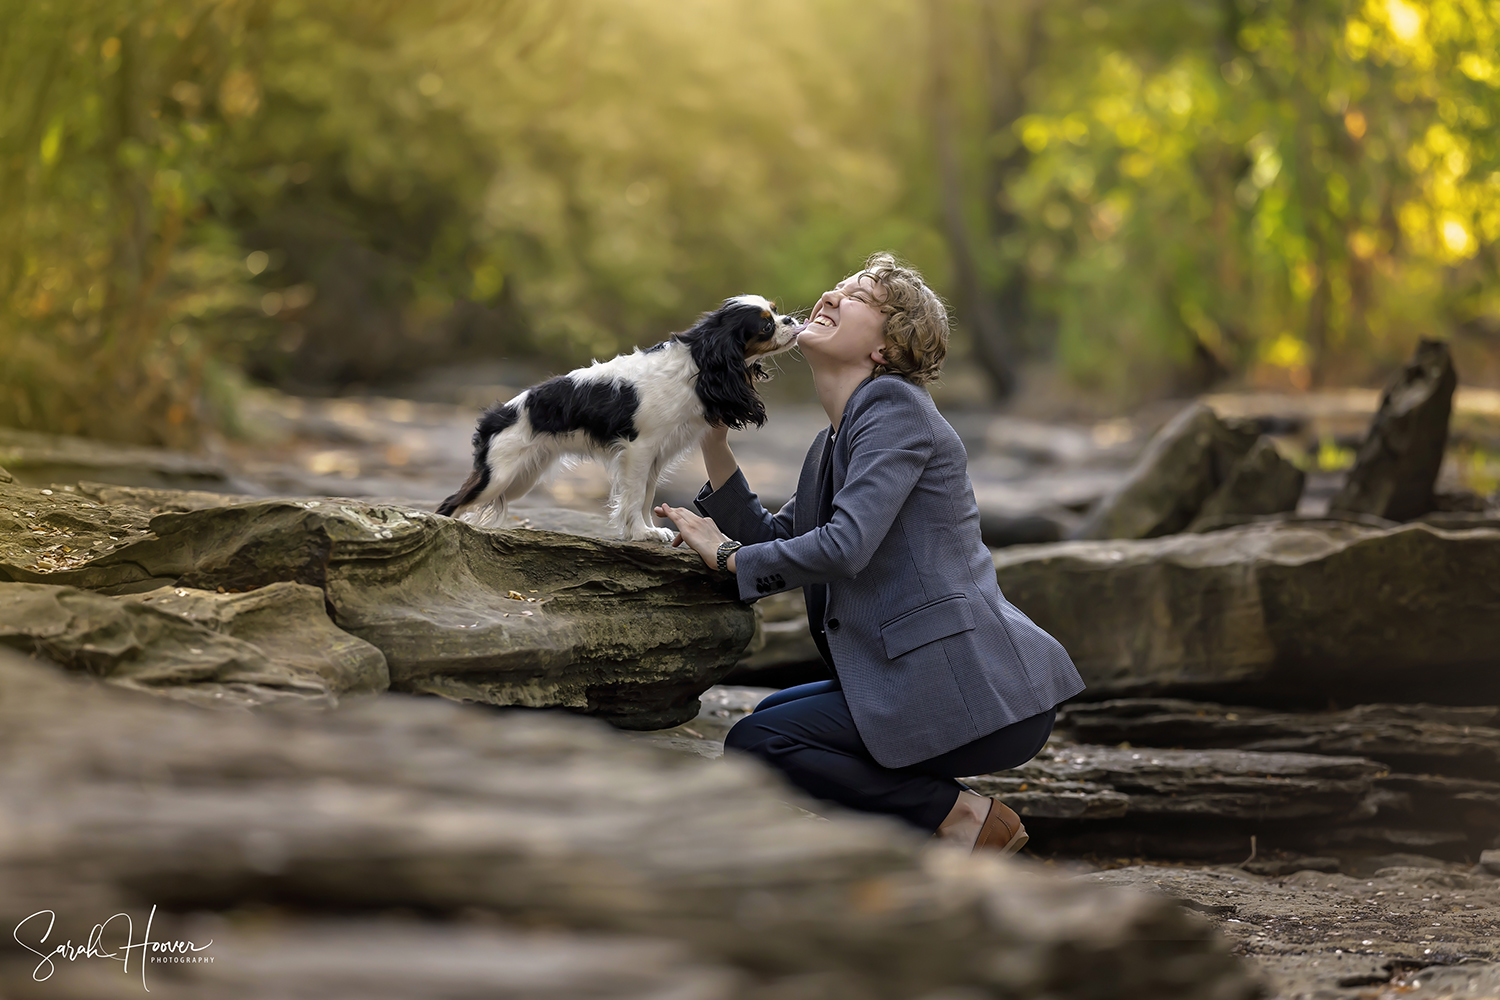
929	652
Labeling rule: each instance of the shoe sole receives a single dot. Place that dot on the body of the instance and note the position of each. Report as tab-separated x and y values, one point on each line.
1015	843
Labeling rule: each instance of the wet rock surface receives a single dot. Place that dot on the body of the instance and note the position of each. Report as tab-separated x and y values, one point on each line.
516	821
1396	932
631	632
1273	613
722	706
217	650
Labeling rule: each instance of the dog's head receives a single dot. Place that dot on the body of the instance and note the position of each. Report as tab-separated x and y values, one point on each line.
728	346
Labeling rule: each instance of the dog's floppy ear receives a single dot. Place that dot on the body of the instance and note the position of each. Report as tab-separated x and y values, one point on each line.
717	345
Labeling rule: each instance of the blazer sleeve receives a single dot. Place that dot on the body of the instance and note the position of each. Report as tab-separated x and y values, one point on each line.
890	444
738	512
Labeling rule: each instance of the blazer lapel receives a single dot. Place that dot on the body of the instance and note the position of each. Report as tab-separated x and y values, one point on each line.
805	514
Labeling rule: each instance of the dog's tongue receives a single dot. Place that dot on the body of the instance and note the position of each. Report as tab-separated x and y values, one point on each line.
799	327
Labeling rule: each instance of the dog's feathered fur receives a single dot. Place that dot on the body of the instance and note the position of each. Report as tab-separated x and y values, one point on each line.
639	413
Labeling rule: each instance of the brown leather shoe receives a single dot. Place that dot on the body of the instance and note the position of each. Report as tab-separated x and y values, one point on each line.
1002	831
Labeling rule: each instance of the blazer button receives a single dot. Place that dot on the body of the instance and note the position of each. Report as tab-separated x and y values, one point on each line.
833	624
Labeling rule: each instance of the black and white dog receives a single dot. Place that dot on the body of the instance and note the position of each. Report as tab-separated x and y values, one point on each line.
639	413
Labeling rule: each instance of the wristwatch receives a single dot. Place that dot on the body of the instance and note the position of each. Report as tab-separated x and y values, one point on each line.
726	549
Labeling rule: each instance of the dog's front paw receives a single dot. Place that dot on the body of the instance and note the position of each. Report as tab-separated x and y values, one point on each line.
650	533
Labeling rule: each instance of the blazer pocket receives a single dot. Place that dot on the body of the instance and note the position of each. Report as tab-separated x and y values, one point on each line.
928	623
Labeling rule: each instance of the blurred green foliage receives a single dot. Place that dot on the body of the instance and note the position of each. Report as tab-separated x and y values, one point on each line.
327	192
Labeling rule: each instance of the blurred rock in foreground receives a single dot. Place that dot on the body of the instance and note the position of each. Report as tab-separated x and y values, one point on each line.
1289	614
450	816
628	631
272	644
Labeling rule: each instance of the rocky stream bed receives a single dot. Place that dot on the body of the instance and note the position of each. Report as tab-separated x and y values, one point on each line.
300	725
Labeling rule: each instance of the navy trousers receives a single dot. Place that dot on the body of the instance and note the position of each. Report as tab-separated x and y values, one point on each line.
807	733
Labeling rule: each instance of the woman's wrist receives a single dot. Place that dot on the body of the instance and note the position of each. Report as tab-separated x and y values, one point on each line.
718	460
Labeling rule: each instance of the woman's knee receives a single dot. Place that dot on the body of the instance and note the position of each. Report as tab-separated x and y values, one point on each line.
791	694
745	735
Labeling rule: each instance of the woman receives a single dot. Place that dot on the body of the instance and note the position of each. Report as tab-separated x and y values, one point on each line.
937	676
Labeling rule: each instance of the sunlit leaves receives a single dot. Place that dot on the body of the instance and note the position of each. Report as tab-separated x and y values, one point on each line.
1312	189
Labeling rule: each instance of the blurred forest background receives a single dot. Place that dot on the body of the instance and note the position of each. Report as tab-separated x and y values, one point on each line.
326	195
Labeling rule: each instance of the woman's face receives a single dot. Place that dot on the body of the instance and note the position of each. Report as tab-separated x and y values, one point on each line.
846	327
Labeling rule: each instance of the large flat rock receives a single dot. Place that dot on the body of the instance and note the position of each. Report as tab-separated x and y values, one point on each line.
1298	613
1435	739
407	807
630	631
273	644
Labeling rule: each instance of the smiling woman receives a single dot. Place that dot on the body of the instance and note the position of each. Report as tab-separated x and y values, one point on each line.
936	674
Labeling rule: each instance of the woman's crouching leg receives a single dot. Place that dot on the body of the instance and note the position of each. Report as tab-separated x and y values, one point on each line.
812	741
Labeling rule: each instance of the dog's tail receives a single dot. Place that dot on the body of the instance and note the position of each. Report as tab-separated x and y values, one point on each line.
469	492
478	493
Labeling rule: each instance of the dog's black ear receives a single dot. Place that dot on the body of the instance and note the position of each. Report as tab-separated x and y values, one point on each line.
717	345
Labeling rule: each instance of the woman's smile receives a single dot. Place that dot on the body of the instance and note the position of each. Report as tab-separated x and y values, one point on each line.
846	325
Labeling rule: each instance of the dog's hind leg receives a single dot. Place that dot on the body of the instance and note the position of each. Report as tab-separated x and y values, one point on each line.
514	464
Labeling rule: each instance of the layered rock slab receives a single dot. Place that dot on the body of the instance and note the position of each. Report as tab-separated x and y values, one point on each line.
215	650
114	803
1158	803
629	631
1273	613
1435	739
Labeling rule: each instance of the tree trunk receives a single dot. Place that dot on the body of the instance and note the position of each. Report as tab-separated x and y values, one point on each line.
993	346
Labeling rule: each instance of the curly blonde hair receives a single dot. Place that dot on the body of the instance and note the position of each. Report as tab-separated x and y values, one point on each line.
916	320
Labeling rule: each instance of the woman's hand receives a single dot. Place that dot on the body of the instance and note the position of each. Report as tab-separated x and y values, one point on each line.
700	533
